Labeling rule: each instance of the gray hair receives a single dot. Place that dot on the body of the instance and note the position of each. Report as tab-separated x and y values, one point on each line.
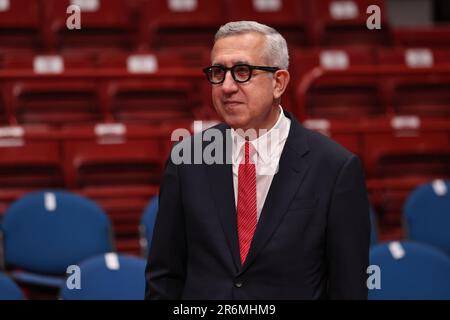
276	50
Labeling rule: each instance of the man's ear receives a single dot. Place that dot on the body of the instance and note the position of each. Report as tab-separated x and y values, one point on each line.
281	80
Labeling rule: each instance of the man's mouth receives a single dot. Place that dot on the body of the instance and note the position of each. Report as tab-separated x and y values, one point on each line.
231	103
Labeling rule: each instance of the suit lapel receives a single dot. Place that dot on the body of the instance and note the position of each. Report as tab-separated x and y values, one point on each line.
221	181
285	184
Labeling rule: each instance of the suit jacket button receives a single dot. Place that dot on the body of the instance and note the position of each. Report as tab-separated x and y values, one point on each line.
238	284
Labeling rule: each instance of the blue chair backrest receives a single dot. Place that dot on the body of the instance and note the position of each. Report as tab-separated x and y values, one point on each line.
9	290
109	277
427	214
410	271
148	221
44	232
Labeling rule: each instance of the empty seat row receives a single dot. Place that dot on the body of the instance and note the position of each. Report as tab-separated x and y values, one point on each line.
353	83
120	166
50	237
147	99
142	61
425	212
78	152
151	88
51	24
117	166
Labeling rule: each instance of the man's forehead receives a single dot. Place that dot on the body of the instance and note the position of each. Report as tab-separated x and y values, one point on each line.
243	48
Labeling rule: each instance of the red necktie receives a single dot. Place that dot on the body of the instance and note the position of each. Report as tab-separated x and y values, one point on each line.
246	207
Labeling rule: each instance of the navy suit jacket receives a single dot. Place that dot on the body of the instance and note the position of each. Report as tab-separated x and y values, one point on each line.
311	241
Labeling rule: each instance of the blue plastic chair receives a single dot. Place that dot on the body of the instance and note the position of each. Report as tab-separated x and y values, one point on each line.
45	232
410	271
427	215
9	290
147	224
123	278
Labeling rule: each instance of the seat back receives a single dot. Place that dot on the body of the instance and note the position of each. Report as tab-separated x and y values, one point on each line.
289	17
46	231
426	214
410	271
105	24
19	24
56	102
337	97
109	277
337	22
180	24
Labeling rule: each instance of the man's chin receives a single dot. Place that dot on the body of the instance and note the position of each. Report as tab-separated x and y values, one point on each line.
235	122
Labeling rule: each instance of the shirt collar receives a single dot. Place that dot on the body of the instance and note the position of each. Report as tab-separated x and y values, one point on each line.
266	145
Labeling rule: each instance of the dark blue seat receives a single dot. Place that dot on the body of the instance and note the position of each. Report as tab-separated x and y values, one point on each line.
109	277
410	271
427	214
44	232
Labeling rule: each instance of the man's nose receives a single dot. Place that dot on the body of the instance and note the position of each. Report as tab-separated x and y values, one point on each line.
229	85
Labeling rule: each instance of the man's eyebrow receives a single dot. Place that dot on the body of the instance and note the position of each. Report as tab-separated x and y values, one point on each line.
233	63
241	62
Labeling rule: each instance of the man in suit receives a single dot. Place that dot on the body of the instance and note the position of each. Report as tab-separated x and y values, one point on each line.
285	215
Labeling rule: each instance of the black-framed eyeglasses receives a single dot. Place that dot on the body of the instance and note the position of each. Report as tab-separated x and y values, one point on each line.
240	72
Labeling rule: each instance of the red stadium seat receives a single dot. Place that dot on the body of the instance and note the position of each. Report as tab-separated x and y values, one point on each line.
155	102
105	24
337	58
426	96
147	61
29	164
429	37
398	160
423	96
343	23
338	97
30	159
405	146
56	102
130	163
289	17
20	22
180	24
120	168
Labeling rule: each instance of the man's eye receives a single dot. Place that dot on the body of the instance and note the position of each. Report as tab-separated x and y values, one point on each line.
241	71
216	72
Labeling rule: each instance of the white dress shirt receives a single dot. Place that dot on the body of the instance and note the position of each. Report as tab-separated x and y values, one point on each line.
268	147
